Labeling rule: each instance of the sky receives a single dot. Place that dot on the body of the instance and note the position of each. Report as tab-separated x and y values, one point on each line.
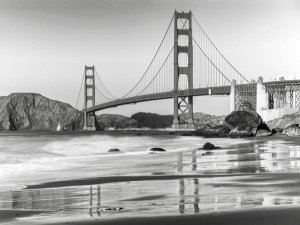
45	44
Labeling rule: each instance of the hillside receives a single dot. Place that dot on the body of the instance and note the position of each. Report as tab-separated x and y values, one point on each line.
153	120
114	120
30	111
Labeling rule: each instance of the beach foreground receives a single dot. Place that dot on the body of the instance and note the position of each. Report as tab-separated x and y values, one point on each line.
250	181
267	216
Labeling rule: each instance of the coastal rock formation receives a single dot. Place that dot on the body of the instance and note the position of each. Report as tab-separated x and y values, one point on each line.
277	130
114	150
285	121
246	124
217	131
236	133
156	149
209	146
115	121
243	120
293	130
30	111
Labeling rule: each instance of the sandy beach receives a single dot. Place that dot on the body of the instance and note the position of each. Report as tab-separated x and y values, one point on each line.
248	181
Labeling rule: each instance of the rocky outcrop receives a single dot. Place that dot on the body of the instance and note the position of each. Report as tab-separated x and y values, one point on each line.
29	111
116	121
285	121
243	120
114	150
246	124
293	130
156	149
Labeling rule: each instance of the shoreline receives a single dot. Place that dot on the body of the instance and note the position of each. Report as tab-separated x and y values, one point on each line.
116	179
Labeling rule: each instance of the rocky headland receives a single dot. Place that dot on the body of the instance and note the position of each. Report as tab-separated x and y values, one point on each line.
30	111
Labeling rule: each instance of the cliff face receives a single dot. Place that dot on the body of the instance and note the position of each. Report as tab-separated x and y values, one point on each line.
29	111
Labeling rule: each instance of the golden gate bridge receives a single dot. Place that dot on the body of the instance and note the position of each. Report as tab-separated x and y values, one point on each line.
186	64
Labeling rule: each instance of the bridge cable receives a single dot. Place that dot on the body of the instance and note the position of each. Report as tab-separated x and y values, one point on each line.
157	71
104	96
105	86
218	49
144	74
206	54
80	89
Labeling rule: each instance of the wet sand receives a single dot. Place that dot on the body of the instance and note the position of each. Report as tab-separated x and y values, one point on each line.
267	216
251	183
7	215
114	179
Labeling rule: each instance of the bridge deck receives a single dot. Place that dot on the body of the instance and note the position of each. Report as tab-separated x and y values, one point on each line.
221	90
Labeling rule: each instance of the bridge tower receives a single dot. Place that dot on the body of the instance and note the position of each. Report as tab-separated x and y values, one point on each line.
183	104
89	96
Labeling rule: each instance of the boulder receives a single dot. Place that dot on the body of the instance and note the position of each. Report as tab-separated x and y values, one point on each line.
156	149
243	121
209	146
114	150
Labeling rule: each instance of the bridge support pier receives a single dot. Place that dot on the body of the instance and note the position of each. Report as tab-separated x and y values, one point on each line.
232	95
183	104
261	96
89	96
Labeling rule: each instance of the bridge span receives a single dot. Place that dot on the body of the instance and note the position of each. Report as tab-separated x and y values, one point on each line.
223	90
186	64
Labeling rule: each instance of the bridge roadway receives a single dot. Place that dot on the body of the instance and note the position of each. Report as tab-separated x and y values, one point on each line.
221	90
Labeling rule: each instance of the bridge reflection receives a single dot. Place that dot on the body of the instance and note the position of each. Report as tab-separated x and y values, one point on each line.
184	195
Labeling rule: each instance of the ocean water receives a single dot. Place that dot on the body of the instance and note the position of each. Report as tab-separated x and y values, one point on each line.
35	158
245	173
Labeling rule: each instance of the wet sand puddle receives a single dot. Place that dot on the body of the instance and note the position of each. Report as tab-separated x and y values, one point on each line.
264	177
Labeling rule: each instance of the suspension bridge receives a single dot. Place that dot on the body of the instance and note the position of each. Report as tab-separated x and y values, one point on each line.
186	64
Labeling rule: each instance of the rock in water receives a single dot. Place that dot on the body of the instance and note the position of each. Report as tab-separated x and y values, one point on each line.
154	149
114	150
29	111
209	146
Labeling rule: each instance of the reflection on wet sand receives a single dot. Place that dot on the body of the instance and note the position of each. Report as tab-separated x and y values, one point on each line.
187	197
245	158
183	196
